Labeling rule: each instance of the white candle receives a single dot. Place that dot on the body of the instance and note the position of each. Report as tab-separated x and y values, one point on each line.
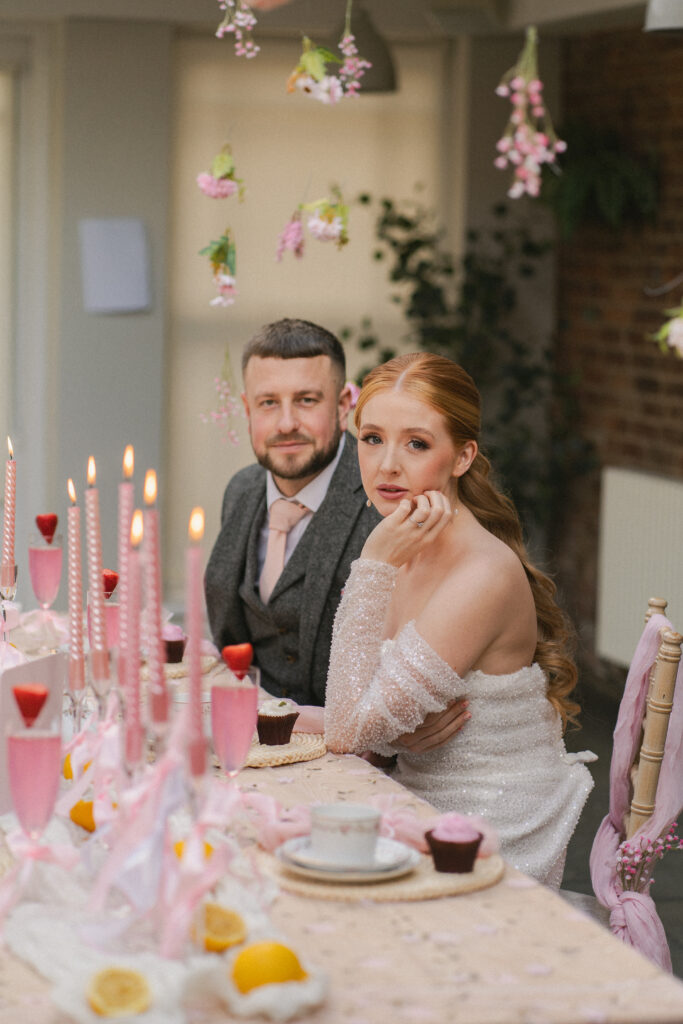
76	659
126	500
133	718
99	658
155	645
193	628
7	579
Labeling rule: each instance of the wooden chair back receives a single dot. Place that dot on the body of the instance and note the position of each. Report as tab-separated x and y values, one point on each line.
645	771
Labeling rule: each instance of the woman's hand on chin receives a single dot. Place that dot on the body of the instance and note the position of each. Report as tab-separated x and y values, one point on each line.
411	527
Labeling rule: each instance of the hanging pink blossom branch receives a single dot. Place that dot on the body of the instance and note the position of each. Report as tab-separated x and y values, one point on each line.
327	221
240	21
229	406
223	257
221	182
311	75
291	238
529	139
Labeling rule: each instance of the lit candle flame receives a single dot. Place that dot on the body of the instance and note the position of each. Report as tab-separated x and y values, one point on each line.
128	462
136	528
150	487
72	491
10	448
92	475
196	528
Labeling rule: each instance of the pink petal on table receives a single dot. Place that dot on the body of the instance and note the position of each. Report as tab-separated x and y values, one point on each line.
538	969
446	938
321	927
593	1014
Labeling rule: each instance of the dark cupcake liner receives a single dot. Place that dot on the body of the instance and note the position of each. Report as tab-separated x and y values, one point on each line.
174	650
275	730
457	858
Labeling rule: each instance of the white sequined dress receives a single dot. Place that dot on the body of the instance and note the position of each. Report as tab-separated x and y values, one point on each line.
508	764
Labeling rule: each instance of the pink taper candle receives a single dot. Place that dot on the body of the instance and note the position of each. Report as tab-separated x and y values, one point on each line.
99	657
7	566
193	628
133	717
76	659
126	501
155	645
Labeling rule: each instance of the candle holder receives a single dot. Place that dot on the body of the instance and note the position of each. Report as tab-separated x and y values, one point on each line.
8	582
99	679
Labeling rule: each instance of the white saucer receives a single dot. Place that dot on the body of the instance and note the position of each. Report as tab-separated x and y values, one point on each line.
392	860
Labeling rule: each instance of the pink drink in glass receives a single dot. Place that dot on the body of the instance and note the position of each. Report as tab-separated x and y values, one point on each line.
45	568
34	761
233	721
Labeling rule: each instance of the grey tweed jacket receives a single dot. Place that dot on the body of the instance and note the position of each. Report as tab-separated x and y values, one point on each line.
292	633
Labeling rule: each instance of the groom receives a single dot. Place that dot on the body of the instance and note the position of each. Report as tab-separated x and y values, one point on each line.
297	406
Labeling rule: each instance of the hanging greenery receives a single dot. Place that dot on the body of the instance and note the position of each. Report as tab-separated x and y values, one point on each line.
466	312
601	182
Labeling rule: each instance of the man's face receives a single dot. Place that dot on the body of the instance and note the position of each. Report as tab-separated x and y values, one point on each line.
296	416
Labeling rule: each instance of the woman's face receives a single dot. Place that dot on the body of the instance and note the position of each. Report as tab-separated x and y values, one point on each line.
404	449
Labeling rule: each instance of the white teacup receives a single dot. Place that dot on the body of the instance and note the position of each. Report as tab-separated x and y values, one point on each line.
344	834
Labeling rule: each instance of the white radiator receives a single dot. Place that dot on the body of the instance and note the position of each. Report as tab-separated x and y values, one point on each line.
640	556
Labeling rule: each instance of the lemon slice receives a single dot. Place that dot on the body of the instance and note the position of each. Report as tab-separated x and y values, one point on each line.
266	963
67	768
117	991
179	849
221	928
82	814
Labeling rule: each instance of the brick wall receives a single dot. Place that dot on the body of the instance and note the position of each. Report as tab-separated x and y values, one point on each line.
630	394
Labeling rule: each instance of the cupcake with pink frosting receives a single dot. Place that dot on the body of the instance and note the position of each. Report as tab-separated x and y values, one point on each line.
174	643
454	842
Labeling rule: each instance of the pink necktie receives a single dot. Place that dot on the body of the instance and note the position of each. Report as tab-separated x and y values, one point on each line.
283	516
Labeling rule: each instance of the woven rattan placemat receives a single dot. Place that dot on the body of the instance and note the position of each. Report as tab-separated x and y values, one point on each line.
424	883
303	746
180	669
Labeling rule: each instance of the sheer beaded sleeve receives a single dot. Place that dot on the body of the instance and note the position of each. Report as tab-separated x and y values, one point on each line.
376	691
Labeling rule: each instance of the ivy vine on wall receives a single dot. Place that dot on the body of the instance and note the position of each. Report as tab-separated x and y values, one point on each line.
466	311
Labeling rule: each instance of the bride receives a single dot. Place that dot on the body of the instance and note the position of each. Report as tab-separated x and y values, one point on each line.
443	604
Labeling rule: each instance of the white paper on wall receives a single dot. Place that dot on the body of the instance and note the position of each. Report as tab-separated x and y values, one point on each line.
114	265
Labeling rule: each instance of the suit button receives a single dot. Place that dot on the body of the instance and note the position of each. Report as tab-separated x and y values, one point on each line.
291	658
282	631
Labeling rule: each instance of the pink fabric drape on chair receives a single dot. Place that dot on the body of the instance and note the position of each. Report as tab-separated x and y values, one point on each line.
633	917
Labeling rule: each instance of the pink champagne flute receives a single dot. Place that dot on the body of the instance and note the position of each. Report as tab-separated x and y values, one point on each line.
45	570
34	759
234	708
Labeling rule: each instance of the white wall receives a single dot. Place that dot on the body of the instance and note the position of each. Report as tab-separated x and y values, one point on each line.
111	368
288	149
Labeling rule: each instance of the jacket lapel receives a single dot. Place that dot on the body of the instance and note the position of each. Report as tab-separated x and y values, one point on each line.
334	522
254	512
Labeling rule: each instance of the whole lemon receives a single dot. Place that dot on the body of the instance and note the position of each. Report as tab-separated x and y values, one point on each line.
266	963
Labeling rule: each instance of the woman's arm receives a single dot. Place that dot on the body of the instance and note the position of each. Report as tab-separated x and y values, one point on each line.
377	692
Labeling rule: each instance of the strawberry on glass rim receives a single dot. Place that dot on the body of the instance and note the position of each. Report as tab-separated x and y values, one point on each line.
47	524
109	581
238	658
30	698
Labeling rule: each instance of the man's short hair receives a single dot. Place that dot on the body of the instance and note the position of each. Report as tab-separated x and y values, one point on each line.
296	339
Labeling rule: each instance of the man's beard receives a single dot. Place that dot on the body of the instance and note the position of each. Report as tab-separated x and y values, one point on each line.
315	464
